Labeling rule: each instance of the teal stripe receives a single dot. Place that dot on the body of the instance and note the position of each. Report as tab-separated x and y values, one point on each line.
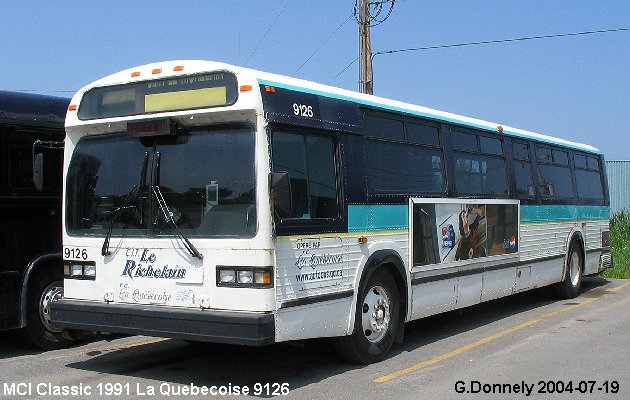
558	213
414	112
377	217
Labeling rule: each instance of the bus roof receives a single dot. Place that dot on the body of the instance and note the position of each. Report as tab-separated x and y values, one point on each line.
250	76
421	111
17	108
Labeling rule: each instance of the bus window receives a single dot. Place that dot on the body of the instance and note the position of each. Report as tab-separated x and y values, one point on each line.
384	128
589	184
310	162
401	168
206	176
423	134
523	177
588	177
593	163
522	170
464	141
555	181
579	161
490	145
543	154
477	174
560	157
520	151
554	174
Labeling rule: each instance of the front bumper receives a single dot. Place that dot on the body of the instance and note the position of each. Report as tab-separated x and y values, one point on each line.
243	328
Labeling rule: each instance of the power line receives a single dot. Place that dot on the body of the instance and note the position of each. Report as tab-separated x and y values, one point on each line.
343	70
268	30
322	45
367	15
446	46
40	91
375	8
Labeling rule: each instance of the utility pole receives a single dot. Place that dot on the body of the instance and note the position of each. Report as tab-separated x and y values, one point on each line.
365	48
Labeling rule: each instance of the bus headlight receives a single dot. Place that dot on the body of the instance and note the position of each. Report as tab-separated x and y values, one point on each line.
245	277
79	270
89	271
227	276
76	270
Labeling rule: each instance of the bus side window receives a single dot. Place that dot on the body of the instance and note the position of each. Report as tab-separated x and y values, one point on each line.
554	173
480	174
522	170
310	162
588	178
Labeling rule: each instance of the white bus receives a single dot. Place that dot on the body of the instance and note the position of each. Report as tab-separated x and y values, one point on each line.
210	202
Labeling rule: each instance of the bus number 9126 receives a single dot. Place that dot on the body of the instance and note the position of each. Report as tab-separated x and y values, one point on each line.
74	253
302	110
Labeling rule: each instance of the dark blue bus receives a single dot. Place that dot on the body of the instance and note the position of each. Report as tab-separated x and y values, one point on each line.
31	269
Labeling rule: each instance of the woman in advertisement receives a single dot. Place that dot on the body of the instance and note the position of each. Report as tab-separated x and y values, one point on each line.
469	245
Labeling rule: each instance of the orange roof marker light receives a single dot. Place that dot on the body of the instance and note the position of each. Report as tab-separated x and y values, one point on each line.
72	107
500	128
178	68
156	71
270	89
245	88
135	74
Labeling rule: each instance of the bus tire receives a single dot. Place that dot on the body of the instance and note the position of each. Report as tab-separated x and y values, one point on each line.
39	331
569	287
376	320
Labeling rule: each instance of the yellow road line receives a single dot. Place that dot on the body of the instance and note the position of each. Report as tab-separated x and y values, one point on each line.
129	346
485	340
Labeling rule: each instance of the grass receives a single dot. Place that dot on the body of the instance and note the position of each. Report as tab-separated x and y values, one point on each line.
619	246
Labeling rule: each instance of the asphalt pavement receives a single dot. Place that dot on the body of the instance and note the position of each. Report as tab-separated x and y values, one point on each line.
527	345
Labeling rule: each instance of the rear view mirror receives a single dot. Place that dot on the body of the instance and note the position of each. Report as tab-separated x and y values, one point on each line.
38	160
38	171
281	193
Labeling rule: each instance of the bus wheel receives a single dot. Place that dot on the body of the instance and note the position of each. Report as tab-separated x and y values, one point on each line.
39	331
375	322
570	285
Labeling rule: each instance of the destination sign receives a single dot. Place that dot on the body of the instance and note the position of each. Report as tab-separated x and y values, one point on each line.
161	95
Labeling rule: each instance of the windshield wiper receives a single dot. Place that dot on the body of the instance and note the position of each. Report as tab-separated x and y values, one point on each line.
168	215
133	194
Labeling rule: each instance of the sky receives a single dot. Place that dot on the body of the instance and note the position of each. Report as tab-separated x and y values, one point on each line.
576	88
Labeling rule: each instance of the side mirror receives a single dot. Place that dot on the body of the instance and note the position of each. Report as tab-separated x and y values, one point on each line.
281	193
38	171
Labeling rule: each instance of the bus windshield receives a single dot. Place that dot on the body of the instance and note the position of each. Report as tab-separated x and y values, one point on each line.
205	176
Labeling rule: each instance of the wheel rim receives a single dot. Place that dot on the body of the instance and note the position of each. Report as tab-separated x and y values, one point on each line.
376	314
574	268
53	292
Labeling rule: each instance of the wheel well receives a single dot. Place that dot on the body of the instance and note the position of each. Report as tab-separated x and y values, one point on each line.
401	286
579	239
47	265
392	262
